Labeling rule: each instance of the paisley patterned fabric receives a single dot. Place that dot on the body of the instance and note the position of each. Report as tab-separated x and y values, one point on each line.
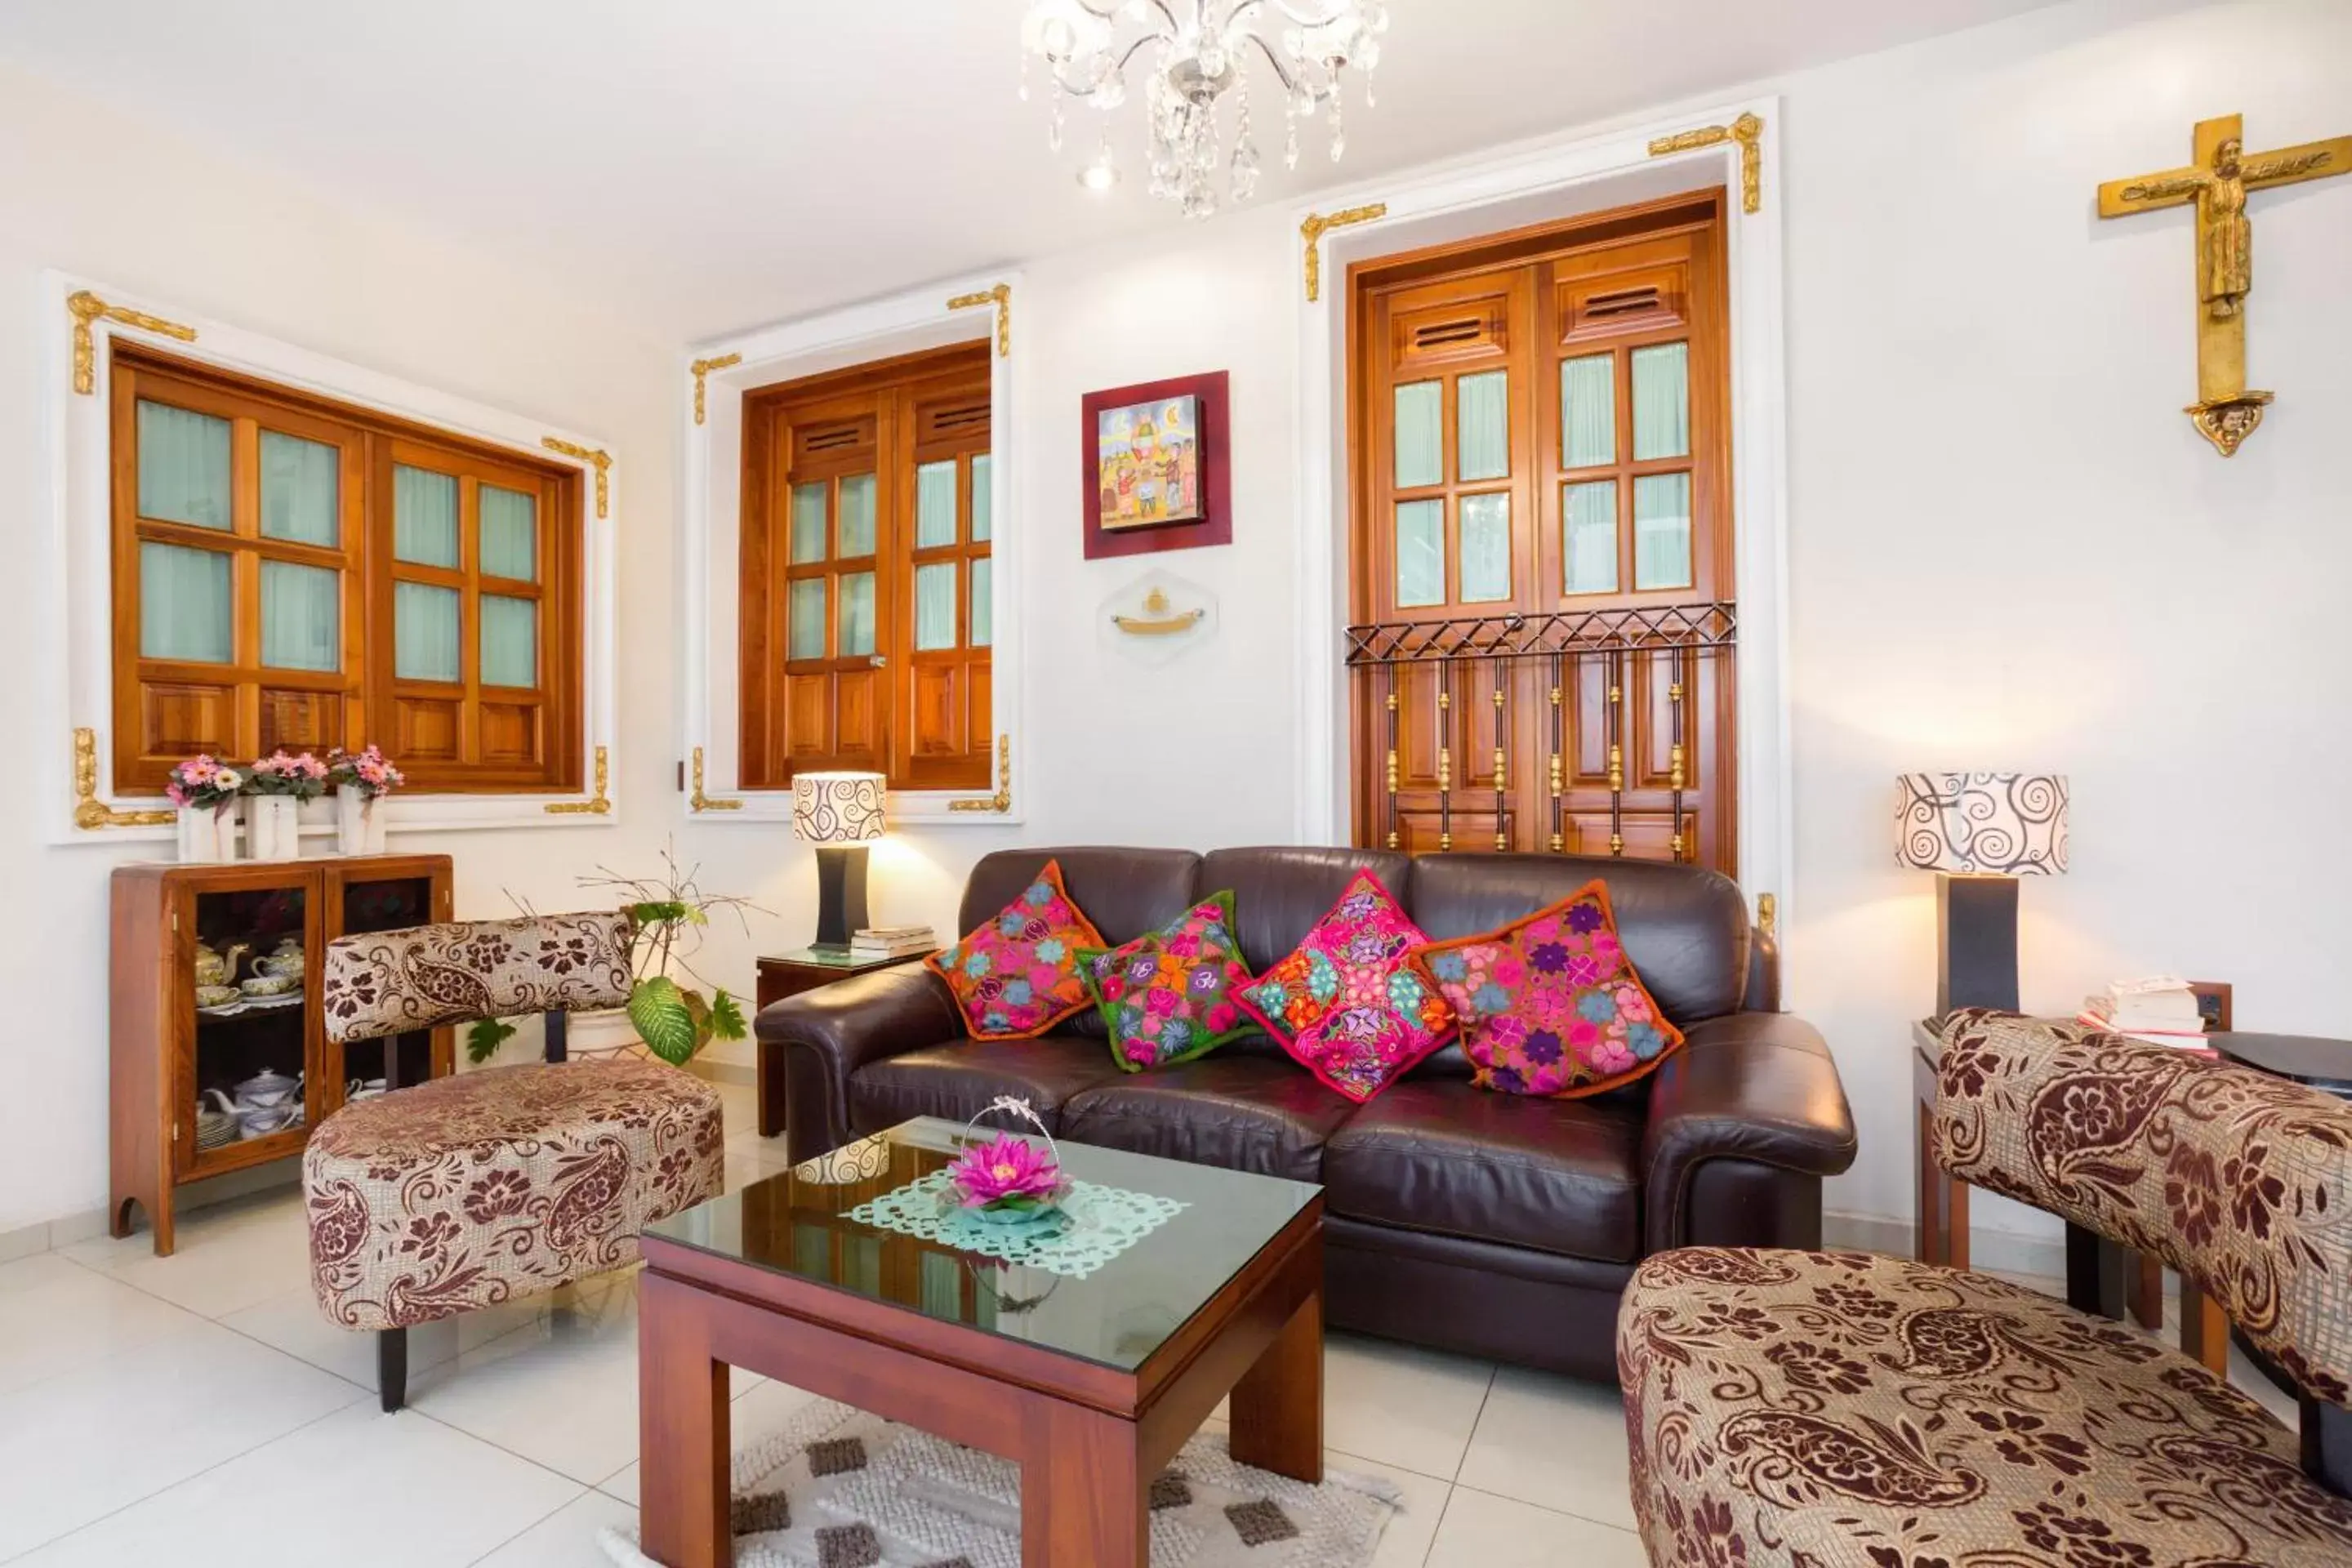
471	1190
1344	1004
2239	1180
1173	993
1550	1005
387	983
1017	975
1845	1410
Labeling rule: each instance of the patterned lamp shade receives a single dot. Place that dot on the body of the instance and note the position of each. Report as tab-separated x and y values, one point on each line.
2007	825
838	808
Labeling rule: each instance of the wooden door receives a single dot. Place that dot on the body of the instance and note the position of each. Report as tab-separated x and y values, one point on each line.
1543	567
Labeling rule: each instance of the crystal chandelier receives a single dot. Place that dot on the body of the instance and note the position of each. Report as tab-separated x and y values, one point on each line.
1199	52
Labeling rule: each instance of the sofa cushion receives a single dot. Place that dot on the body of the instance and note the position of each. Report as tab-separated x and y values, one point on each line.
1281	893
1015	973
1125	893
1245	1113
1171	994
1439	1154
1344	1003
957	1079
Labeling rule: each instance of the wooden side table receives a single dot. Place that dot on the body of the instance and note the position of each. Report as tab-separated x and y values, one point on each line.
786	974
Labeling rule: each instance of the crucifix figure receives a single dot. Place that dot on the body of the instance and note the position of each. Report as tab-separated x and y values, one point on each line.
2225	412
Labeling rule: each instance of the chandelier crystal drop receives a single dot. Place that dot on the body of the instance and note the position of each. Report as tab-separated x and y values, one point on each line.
1197	54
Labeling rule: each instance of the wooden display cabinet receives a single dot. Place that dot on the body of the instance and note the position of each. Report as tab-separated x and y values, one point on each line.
168	1052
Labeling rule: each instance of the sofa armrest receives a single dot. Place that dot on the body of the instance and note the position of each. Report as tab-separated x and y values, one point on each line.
1754	1087
814	1042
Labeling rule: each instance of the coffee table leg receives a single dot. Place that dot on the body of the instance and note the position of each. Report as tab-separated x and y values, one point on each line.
681	1429
1277	1407
1082	1492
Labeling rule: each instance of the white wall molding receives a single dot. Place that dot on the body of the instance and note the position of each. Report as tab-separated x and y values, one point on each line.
711	516
77	433
1510	190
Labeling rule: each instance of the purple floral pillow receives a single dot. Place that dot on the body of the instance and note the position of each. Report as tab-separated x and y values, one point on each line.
1017	975
1170	996
1344	1004
1550	1005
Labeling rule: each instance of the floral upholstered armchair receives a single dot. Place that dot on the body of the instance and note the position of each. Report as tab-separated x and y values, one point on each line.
471	1190
1821	1410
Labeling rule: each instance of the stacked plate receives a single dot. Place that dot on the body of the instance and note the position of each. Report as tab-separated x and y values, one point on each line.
215	1129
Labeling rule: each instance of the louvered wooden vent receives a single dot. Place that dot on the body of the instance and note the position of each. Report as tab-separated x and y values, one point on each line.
830	439
1622	302
946	421
1446	334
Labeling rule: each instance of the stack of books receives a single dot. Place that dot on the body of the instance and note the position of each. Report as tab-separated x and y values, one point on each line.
892	942
2158	1011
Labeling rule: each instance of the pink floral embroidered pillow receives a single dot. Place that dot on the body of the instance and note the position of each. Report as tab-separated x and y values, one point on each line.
1550	1005
1344	1004
1017	975
1168	997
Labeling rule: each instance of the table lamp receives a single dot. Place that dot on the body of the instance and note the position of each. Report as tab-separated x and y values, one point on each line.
840	814
1978	832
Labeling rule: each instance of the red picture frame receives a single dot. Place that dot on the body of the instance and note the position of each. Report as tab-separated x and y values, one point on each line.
1214	522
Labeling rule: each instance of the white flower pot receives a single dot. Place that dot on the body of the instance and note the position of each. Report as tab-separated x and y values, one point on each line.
359	823
207	835
273	828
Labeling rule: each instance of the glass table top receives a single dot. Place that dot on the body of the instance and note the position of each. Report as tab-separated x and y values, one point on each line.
796	1223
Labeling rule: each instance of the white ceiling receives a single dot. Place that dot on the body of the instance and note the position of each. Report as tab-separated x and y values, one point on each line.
711	164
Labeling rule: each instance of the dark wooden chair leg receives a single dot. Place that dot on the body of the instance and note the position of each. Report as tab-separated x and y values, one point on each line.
555	1025
2327	1445
392	1368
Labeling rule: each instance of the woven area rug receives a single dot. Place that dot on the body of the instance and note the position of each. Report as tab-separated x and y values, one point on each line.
840	1488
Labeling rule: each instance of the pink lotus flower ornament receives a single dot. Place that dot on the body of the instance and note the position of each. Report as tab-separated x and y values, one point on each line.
1006	1172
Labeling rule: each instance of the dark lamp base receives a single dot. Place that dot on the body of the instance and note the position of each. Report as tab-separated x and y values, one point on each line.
1976	943
840	895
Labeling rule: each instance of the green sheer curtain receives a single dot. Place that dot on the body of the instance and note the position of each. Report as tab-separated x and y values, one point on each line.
183	604
424	516
509	641
1482	416
1420	552
1588	411
804	620
983	497
1486	548
1420	433
857	516
935	606
808	522
1589	537
935	504
301	617
301	487
182	466
983	606
1662	532
1662	402
425	620
509	534
856	632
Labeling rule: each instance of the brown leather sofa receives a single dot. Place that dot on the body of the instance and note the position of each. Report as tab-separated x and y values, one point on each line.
1490	1224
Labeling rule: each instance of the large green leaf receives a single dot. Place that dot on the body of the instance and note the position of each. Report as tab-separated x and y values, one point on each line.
483	1040
727	1018
663	1020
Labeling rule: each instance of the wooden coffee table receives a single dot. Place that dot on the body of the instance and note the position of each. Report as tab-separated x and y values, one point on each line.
1090	1386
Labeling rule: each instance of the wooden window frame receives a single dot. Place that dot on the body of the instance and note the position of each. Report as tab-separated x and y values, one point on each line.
375	707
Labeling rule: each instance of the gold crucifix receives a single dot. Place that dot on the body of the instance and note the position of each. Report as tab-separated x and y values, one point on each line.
2225	412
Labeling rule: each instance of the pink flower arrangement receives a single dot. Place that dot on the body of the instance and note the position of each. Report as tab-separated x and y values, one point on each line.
368	774
304	776
200	781
1006	1172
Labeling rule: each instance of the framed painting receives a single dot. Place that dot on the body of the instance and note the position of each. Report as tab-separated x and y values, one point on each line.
1157	467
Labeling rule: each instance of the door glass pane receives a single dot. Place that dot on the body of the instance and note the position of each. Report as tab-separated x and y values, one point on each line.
1486	548
424	632
1589	537
1420	552
182	466
935	504
804	632
935	606
984	607
301	617
808	521
857	516
183	604
1588	411
299	489
1420	435
1662	402
509	534
983	497
857	636
1483	417
509	641
1662	532
424	516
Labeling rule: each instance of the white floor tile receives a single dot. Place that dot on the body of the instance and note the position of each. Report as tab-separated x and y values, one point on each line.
76	1448
225	1258
1405	1543
291	1321
1480	1531
1554	1442
57	1318
361	1489
756	1412
40	1269
566	1538
1401	1406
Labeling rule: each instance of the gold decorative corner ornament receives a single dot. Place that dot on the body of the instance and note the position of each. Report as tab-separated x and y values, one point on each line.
1767	914
1748	131
1315	225
595	457
1156	621
1002	298
597	804
1001	800
92	813
703	367
86	308
2216	183
700	802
